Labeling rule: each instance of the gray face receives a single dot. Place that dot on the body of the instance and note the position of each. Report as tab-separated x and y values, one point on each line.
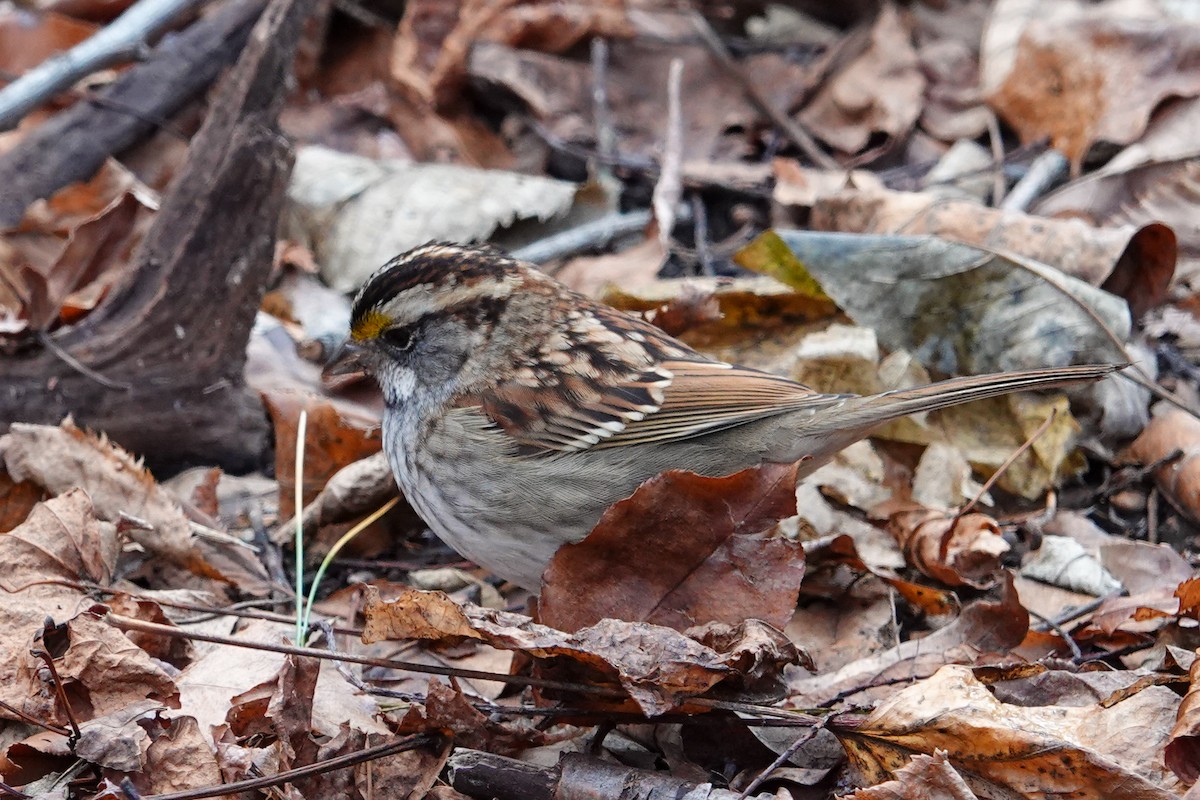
422	360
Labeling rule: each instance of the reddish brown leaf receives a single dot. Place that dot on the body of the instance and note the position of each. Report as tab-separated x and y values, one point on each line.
983	629
681	551
1179	479
17	499
1183	751
27	38
1095	76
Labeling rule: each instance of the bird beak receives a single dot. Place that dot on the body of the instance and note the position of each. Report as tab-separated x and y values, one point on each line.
348	358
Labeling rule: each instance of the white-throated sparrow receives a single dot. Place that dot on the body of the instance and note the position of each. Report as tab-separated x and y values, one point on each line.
519	410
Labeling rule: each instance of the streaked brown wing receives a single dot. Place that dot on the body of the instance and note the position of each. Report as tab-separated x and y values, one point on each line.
706	396
606	379
675	400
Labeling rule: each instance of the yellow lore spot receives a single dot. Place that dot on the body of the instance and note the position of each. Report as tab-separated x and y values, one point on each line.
370	326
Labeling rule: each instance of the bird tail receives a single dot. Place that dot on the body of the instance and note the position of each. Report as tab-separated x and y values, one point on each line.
867	413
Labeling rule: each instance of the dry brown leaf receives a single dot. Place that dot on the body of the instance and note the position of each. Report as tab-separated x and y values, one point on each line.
62	458
1153	192
842	549
922	778
17	499
446	709
336	435
657	666
958	551
1183	751
1178	480
1013	751
208	684
683	550
953	107
983	628
1095	76
854	624
799	186
1134	262
435	37
59	546
751	308
70	249
629	269
877	92
716	112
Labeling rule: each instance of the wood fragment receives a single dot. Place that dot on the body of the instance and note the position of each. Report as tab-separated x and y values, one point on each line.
174	330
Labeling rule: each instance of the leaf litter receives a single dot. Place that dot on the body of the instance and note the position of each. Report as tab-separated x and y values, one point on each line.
1033	636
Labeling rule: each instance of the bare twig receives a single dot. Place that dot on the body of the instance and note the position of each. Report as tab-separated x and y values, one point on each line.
606	137
669	188
782	121
1008	462
122	40
60	691
998	185
1045	170
782	759
33	720
596	233
131	624
1076	653
288	776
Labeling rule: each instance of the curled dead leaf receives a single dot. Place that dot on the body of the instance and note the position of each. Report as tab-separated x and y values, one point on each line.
957	550
1006	750
1183	751
1174	430
64	457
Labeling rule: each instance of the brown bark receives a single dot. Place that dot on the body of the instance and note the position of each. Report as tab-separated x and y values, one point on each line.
173	334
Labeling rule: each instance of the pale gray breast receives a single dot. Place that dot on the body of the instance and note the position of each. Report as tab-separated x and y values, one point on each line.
509	512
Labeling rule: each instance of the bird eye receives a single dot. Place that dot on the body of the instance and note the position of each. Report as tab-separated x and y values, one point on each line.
398	338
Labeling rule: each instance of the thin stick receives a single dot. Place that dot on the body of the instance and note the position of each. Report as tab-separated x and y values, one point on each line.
669	188
993	126
1008	462
1043	172
33	720
59	691
782	759
786	124
291	775
301	430
1076	653
596	233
